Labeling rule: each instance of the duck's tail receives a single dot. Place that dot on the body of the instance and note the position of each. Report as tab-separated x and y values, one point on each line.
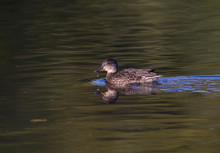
151	70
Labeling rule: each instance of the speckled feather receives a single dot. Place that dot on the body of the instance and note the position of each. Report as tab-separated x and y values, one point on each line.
132	75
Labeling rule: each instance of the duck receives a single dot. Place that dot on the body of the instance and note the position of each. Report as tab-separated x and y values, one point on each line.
126	76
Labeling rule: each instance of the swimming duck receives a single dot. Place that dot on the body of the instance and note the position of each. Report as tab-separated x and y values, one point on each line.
126	76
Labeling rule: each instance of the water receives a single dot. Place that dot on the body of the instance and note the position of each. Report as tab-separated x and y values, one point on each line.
48	53
199	84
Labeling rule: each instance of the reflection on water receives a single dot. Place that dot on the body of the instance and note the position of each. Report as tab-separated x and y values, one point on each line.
48	51
112	93
203	84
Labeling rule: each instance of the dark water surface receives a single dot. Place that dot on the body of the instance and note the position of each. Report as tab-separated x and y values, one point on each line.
49	49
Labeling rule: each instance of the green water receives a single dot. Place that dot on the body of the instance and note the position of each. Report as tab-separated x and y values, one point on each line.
49	50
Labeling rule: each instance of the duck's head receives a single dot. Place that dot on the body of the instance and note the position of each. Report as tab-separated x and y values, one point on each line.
109	65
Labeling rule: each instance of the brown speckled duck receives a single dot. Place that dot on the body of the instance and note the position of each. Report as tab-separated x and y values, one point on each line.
126	76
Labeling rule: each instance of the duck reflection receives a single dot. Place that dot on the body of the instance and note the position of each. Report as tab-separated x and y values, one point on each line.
112	93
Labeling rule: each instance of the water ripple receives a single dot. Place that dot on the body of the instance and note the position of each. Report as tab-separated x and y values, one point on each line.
200	84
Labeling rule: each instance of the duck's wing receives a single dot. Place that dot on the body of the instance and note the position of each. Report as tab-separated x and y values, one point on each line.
144	72
131	72
132	75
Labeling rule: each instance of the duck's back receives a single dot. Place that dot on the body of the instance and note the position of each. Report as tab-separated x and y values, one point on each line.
132	75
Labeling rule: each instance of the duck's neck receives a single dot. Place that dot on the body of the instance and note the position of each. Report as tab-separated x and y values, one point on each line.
111	72
109	75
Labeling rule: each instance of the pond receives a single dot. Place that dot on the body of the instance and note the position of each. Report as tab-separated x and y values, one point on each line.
52	101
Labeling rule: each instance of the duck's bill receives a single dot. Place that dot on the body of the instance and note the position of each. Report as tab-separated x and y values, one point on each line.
99	70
